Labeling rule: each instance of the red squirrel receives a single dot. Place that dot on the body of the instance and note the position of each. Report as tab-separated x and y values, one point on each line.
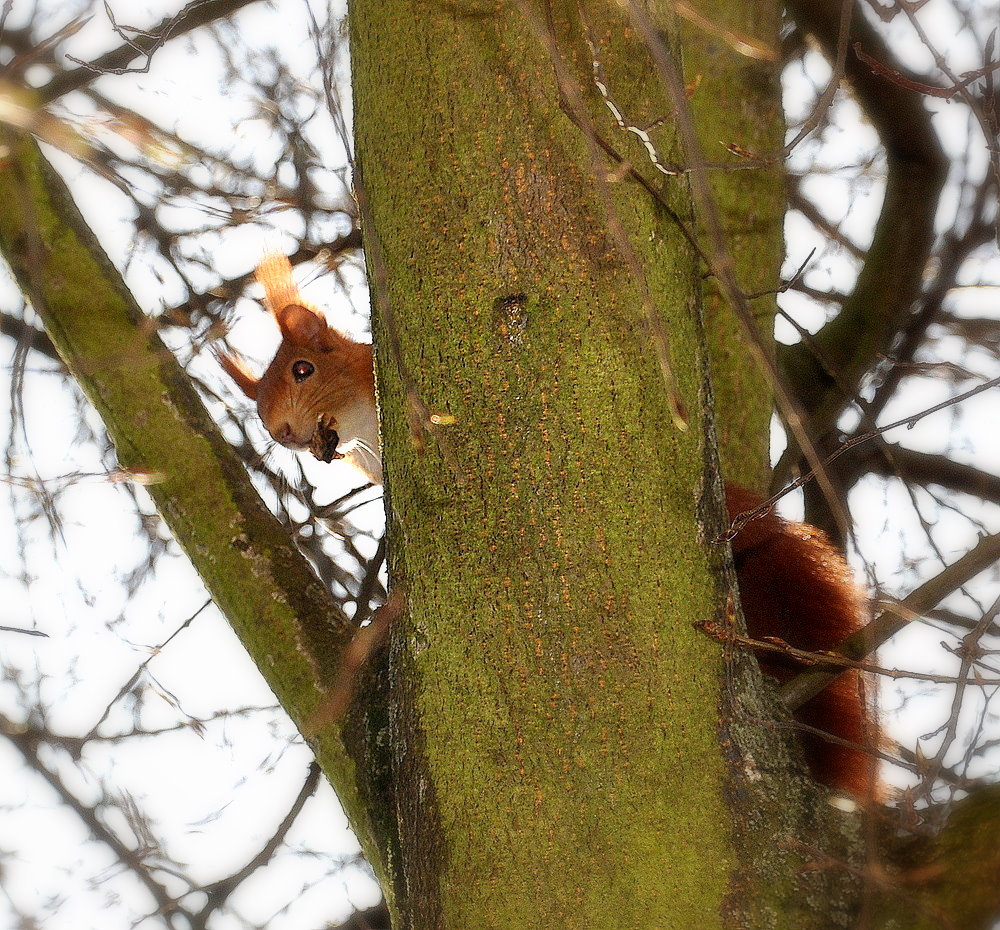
318	393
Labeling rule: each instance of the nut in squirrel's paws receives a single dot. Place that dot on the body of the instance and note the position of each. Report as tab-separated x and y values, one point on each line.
324	442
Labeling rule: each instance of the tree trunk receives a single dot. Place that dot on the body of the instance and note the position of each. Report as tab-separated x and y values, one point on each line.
561	745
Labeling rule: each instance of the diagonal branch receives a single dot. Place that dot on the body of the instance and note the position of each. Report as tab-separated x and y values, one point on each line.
893	618
27	743
924	468
287	620
36	339
218	892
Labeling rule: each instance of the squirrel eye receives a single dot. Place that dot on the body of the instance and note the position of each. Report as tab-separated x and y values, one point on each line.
302	369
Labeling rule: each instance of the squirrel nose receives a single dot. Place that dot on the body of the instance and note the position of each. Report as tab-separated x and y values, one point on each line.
284	433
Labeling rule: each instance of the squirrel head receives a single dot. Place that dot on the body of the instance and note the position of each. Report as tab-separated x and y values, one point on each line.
319	378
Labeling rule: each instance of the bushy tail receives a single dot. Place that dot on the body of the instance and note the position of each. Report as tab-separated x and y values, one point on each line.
796	587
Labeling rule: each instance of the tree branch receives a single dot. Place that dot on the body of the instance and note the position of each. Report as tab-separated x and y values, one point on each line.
923	468
219	891
195	14
26	743
37	339
893	618
891	278
284	616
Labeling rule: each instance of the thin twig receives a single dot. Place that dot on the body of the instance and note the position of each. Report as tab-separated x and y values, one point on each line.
195	14
909	422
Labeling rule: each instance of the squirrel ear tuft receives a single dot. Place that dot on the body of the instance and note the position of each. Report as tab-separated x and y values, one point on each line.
274	274
300	322
301	326
237	370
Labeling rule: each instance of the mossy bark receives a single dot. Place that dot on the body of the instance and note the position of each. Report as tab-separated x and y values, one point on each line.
949	880
731	65
287	621
553	716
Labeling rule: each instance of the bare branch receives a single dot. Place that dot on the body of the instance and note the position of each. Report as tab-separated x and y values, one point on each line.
196	13
218	892
895	461
889	282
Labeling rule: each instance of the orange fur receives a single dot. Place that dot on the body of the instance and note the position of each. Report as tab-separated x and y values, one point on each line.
338	388
795	586
274	274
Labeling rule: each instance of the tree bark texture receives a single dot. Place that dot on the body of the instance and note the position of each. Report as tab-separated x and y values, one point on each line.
553	716
736	103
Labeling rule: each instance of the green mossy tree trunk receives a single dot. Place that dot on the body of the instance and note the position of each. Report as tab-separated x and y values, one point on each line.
548	742
552	734
736	103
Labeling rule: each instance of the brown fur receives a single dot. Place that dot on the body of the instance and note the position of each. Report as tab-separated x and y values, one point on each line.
290	408
794	585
